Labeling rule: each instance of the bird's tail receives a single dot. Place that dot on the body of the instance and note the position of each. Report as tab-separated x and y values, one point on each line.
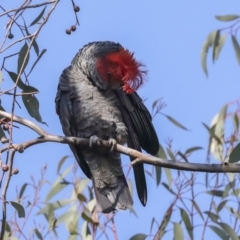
114	198
110	185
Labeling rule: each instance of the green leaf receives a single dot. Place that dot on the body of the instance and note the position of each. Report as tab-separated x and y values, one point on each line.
53	206
178	232
219	232
38	234
170	154
207	44
187	222
32	105
197	209
182	156
234	212
212	134
229	231
227	18
35	46
236	48
61	162
139	236
152	222
235	154
87	216
23	188
228	187
57	186
169	176
2	133
20	83
236	122
36	20
175	122
19	208
169	189
221	205
214	217
81	185
65	217
39	57
131	209
158	171
21	57
164	223
161	154
216	193
215	44
155	103
193	149
219	46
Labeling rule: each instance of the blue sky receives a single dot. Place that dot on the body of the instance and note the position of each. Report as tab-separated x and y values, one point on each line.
167	36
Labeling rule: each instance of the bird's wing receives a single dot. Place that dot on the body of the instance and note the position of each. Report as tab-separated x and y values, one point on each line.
64	109
141	132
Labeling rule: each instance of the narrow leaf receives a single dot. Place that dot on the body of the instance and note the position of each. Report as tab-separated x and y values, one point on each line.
227	18
139	236
38	234
235	154
219	232
38	17
221	205
217	193
193	149
61	162
35	46
215	45
57	186
32	105
229	231
170	154
197	209
212	134
22	56
236	48
20	84
23	188
214	217
169	189
187	222
182	156
158	171
169	176
218	48
228	187
54	206
19	208
175	122
39	57
178	232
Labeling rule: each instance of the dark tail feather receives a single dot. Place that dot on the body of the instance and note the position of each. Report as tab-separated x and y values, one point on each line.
140	183
116	198
138	169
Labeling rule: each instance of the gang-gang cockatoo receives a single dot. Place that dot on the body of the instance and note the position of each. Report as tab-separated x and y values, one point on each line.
97	98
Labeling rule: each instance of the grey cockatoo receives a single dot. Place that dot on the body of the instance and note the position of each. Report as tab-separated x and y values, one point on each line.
97	98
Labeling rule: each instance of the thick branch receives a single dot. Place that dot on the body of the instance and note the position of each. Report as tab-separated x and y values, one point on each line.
140	157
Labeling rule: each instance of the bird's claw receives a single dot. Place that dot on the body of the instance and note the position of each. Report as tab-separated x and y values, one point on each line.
94	140
112	142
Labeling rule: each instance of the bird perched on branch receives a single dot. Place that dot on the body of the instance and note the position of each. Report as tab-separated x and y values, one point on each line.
97	99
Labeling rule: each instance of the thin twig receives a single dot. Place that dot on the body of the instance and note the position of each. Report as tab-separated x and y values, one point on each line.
4	202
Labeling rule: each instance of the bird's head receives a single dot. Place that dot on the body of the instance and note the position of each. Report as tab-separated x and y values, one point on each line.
108	64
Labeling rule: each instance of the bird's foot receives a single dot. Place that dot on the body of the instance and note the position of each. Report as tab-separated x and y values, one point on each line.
113	143
94	140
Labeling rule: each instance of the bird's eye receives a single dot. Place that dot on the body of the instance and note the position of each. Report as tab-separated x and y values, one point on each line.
109	75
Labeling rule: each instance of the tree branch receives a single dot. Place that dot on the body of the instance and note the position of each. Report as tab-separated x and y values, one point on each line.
140	157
